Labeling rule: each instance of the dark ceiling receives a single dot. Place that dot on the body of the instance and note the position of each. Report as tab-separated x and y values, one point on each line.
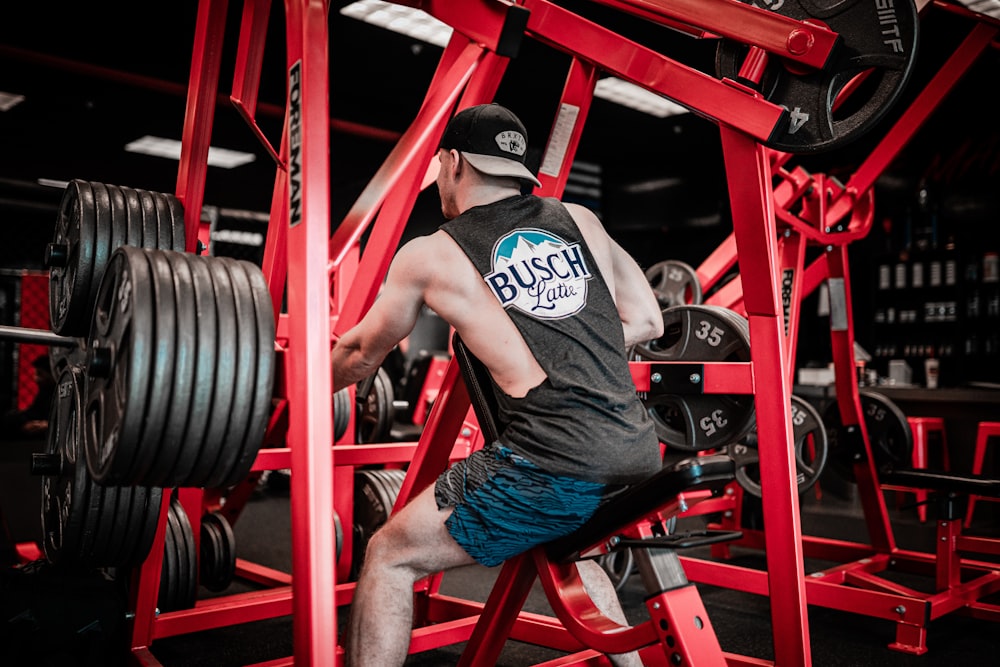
98	75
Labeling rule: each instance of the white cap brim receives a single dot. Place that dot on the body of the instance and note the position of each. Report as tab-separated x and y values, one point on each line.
500	166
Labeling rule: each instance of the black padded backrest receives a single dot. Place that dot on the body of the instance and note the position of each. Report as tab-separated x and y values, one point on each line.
480	387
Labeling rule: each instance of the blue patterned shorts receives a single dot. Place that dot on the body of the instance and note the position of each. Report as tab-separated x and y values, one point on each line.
505	504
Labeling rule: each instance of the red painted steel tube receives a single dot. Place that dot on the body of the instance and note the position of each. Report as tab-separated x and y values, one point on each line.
704	95
978	40
206	60
749	179
310	432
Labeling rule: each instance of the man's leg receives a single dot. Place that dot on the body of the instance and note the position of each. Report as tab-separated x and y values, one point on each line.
598	585
410	545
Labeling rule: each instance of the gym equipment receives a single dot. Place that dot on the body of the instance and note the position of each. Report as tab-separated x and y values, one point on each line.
674	283
812	209
85	524
376	413
165	316
216	552
687	418
94	220
375	493
888	431
811	444
341	412
877	50
330	281
179	575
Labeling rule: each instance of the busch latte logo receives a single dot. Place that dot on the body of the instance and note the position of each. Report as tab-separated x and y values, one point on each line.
539	273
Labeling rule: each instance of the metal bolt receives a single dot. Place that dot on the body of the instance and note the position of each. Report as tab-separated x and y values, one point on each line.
656	378
656	605
900	610
695	378
799	42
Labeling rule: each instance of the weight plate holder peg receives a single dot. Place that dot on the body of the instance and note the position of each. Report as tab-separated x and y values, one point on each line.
85	524
809	441
889	435
687	419
674	283
872	60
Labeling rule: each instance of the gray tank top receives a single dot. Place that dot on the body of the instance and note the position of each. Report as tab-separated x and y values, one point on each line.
585	420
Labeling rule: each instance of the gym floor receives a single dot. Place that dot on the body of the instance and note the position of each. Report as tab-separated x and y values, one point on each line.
742	621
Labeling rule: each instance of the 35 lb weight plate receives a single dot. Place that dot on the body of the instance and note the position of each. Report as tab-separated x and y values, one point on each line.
873	61
674	283
698	421
889	435
808	439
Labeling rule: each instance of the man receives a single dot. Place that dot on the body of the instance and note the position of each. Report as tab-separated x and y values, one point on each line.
548	302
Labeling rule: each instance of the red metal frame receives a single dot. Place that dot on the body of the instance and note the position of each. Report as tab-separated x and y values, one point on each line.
330	285
831	216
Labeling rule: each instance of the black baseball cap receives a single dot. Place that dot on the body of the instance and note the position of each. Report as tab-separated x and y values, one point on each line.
492	139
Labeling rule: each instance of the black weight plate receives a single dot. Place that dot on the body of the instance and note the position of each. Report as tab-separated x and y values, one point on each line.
812	446
175	215
877	38
133	217
375	417
341	412
144	533
245	357
64	495
170	570
150	219
164	222
105	519
807	429
259	296
196	446
118	213
696	422
210	555
71	278
123	330
889	436
130	513
372	507
338	531
224	363
187	585
154	447
177	452
675	283
102	240
218	553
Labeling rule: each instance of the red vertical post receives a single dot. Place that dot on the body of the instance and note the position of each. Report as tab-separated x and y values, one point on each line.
748	174
310	432
203	87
